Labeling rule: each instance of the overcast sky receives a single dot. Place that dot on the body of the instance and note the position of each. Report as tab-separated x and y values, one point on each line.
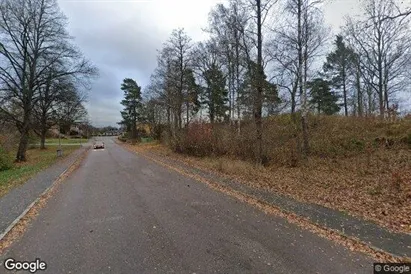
121	38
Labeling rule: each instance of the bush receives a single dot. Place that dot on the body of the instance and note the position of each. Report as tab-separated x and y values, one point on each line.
330	137
122	139
407	140
159	131
5	160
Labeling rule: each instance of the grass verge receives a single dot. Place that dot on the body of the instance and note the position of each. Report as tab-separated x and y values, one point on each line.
37	160
62	140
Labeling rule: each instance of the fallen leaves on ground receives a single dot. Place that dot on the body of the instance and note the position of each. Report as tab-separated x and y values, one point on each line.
382	194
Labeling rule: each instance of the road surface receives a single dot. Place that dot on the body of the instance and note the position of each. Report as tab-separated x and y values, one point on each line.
121	213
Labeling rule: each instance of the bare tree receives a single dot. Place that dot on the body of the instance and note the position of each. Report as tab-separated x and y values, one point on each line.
296	45
44	111
70	108
260	10
34	39
174	82
209	68
285	66
385	47
229	26
179	47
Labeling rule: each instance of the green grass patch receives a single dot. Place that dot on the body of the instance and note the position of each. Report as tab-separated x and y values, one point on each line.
37	160
65	141
146	139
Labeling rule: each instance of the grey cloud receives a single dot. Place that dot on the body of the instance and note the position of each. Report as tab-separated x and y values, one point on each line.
120	46
121	42
105	86
104	112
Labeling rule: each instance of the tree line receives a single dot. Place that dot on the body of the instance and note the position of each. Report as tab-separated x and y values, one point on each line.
43	75
263	57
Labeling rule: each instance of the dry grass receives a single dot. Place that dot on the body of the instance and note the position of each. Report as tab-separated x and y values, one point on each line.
330	137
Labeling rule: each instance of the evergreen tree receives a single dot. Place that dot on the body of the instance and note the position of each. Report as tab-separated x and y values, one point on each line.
322	97
132	103
215	93
269	96
192	93
338	64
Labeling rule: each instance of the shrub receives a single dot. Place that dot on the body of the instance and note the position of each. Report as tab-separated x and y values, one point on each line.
330	137
158	131
5	160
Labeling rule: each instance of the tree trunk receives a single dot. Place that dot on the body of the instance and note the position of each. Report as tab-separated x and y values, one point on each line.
168	122
211	110
258	97
300	65
359	95
304	107
387	103
381	103
187	113
345	94
304	121
180	113
43	139
230	88
43	130
370	103
237	78
380	80
292	104
134	127
24	139
176	124
293	94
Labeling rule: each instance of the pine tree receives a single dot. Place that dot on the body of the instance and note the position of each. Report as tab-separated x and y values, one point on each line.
339	63
269	95
132	103
322	97
192	93
215	93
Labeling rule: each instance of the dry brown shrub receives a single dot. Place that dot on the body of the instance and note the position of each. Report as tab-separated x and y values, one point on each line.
331	137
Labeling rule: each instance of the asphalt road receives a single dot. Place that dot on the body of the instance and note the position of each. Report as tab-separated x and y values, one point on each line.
121	213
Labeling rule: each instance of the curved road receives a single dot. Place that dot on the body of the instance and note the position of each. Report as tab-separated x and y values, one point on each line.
121	213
